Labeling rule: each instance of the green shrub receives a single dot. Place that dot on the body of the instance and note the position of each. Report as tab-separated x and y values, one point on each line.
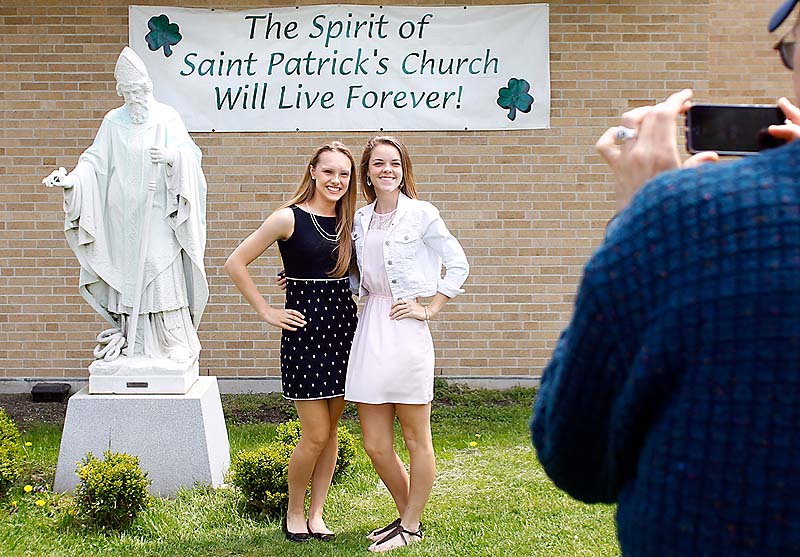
288	433
347	451
9	452
261	475
111	492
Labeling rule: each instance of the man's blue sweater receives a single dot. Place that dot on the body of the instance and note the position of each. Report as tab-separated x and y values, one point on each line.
675	390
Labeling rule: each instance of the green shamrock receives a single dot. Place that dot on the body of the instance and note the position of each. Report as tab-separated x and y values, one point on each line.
162	34
515	97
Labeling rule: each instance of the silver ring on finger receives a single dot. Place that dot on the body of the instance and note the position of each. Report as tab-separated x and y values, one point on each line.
625	134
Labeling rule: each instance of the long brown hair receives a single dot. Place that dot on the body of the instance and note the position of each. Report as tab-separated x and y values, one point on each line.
408	186
345	207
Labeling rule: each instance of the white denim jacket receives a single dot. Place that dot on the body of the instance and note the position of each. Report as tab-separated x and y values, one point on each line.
417	244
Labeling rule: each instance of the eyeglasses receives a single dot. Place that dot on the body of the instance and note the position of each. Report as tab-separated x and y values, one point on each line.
785	48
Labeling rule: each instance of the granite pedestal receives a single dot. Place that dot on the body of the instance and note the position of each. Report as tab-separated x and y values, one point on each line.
181	440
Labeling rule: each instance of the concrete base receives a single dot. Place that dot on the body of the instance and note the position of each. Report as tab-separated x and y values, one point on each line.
181	440
142	375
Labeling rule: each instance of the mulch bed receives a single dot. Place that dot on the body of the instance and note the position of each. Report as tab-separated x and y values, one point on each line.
23	410
252	409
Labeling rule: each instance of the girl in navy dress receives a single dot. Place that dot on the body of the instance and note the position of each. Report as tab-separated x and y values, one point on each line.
313	231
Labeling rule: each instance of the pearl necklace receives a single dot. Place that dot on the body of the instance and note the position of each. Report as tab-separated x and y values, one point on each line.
333	238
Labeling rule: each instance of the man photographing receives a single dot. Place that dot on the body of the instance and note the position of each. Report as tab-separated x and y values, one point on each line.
675	389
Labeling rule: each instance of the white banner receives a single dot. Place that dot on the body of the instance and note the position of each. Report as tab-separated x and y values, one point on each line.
348	67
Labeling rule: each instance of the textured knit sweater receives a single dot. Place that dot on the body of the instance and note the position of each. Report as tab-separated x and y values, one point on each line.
675	389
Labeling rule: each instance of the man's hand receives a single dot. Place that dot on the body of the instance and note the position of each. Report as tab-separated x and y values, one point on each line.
791	129
653	150
162	155
59	178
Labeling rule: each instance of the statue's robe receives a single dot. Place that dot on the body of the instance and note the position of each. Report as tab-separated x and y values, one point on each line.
104	226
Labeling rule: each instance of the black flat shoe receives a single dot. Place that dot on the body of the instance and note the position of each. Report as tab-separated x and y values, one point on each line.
294	537
320	536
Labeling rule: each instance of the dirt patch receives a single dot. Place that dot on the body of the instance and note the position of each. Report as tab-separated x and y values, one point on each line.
254	408
269	411
238	409
24	411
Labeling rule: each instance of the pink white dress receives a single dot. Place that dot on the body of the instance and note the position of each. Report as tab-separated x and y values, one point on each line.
390	360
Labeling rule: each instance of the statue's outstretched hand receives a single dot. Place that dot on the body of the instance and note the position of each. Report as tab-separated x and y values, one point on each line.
162	155
59	178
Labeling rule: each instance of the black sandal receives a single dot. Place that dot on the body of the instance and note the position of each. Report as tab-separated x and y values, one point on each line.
378	533
403	533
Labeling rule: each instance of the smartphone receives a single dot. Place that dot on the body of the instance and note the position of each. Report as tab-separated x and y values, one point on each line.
732	129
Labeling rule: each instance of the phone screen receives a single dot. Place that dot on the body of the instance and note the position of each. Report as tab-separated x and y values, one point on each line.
732	129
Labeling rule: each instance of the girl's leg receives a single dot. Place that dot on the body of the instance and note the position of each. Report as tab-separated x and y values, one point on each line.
415	420
323	471
315	433
377	427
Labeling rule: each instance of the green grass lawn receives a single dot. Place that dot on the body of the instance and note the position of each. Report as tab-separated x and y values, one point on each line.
491	497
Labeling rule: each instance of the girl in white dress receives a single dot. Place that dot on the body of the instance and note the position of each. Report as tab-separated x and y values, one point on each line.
401	244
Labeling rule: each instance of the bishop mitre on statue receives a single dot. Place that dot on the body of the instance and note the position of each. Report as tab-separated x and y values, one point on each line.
135	218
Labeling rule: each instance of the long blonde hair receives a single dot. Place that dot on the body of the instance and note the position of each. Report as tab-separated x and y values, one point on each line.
345	207
408	186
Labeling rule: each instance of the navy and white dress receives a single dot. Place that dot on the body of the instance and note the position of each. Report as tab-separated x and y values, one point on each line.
314	358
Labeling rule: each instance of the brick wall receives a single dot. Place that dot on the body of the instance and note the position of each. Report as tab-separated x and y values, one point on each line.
528	206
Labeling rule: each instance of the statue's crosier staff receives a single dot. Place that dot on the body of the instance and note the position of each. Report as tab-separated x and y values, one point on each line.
133	322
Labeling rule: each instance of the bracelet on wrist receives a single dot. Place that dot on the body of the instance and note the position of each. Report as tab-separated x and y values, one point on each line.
427	317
